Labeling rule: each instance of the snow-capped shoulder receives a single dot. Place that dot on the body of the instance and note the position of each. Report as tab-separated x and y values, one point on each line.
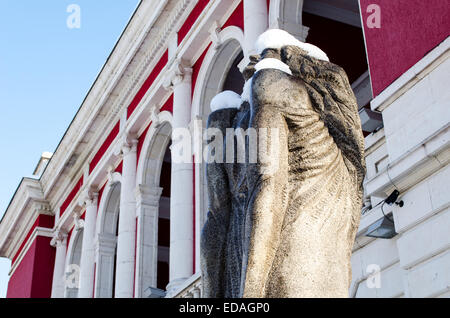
267	63
225	99
272	63
276	39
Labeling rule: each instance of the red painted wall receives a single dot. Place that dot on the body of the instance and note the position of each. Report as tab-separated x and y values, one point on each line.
236	18
190	20
148	82
104	147
71	196
34	275
42	220
409	30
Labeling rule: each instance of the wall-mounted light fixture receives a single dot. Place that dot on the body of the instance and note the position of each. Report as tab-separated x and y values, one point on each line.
384	228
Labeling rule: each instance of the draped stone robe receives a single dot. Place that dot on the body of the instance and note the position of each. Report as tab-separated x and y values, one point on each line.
223	243
299	223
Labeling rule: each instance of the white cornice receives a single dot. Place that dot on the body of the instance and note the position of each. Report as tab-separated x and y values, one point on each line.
414	166
27	204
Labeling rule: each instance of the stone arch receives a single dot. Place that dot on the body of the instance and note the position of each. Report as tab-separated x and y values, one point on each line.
72	266
153	148
216	64
106	238
287	15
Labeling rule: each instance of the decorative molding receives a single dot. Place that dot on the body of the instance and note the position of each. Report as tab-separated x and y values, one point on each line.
179	71
146	195
414	166
88	197
154	117
59	237
129	145
105	244
27	204
214	32
78	221
190	288
114	177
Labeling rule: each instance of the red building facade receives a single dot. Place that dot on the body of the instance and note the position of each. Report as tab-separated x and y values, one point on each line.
112	215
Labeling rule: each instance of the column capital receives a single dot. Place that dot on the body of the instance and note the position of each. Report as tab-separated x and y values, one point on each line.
129	144
180	71
146	195
79	222
59	237
88	197
113	177
105	243
154	116
214	33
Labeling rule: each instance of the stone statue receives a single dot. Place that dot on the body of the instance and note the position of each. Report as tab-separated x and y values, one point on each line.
288	233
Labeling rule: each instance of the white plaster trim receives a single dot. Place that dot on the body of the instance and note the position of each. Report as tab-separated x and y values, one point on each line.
415	165
20	216
360	278
373	140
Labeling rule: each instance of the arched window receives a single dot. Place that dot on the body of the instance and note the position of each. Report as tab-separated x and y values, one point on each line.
73	265
107	243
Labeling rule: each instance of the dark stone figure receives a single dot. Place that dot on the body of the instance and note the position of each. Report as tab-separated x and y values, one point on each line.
289	233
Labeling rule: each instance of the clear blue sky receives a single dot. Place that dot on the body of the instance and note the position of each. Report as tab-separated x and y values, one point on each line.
46	70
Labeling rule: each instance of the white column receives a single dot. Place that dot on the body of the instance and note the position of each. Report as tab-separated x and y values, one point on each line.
255	23
88	248
147	204
105	253
60	242
126	240
181	197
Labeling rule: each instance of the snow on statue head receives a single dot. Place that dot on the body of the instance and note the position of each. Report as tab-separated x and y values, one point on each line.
276	39
225	99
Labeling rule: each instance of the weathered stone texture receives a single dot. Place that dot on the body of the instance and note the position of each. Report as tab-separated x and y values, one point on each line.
288	233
